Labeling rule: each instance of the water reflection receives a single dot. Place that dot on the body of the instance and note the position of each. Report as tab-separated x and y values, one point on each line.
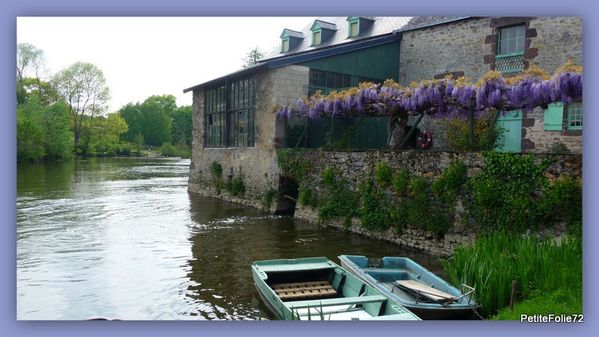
122	238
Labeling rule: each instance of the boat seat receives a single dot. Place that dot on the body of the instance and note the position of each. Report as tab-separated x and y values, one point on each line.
304	290
422	290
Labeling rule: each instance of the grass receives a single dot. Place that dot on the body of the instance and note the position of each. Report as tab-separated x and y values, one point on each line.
540	268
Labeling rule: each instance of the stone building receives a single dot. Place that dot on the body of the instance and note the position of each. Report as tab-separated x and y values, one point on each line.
234	123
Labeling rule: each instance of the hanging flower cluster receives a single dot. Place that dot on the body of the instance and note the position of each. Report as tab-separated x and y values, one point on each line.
445	97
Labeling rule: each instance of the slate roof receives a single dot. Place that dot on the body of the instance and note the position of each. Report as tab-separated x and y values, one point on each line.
380	26
426	21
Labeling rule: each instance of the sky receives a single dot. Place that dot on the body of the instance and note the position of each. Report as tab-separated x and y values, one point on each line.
141	57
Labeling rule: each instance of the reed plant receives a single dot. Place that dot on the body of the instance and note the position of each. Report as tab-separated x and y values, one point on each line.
537	265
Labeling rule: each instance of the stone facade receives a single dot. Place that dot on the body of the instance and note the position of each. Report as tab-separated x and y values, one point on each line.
356	165
537	140
257	164
468	48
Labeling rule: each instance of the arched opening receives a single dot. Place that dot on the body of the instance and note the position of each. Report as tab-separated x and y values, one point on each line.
287	196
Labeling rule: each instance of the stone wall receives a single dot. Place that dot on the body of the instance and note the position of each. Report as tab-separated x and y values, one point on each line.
431	164
467	47
535	139
257	164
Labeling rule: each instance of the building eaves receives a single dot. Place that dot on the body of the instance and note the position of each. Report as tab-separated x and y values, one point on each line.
236	74
293	33
421	22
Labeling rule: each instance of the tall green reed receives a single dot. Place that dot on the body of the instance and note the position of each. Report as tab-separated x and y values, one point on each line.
495	260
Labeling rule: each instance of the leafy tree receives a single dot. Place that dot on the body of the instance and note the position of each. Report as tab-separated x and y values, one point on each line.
30	132
105	134
83	87
252	57
151	119
182	125
57	125
30	63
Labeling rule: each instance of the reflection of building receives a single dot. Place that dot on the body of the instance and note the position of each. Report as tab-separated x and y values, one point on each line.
234	115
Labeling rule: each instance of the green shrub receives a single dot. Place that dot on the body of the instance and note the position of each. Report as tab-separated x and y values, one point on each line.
374	207
401	181
563	202
383	174
506	192
216	173
268	197
338	200
236	186
168	150
306	197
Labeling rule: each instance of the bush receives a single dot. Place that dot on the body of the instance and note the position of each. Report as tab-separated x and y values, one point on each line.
338	200
168	150
506	193
457	133
401	181
216	173
236	186
306	197
374	207
563	202
383	174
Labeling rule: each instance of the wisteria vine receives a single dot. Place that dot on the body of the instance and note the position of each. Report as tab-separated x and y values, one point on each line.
445	97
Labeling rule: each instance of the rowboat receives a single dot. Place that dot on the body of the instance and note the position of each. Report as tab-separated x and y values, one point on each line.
316	288
413	286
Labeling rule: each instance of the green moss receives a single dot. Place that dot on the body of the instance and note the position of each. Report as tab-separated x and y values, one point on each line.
558	302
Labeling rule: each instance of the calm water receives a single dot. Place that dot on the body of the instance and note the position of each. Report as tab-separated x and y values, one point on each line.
123	239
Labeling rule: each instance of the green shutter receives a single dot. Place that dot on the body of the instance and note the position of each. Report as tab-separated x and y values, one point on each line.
554	116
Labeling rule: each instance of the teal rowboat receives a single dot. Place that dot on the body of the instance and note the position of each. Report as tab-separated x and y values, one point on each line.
316	288
413	286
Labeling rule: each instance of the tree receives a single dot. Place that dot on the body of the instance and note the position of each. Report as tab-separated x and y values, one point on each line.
30	63
30	132
252	57
151	119
83	87
181	126
105	134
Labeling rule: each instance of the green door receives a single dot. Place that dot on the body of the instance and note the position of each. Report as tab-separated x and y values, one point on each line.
511	137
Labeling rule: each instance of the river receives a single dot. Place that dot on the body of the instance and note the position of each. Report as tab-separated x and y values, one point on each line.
121	238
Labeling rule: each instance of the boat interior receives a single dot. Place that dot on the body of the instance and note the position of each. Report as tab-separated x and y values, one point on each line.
331	294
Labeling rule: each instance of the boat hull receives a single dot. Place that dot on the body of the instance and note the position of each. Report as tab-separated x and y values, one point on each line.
426	311
327	292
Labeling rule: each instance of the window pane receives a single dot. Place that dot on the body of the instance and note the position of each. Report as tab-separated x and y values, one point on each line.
353	29
316	38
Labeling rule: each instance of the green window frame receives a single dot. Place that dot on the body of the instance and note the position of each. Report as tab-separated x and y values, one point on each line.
574	116
511	40
285	45
316	37
229	118
553	117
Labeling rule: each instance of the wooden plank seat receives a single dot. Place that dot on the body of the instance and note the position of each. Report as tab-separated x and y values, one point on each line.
421	289
304	290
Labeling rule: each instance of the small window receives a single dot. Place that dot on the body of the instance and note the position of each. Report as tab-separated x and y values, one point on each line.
316	38
511	40
285	45
553	117
575	116
354	29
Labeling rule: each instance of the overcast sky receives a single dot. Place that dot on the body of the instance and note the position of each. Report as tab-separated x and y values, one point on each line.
141	57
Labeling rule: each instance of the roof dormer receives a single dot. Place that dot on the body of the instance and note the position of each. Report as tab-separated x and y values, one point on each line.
290	39
322	32
357	25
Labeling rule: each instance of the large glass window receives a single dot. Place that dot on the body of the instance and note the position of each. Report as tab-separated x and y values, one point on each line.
229	114
326	81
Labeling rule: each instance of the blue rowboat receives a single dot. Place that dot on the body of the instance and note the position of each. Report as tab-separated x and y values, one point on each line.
316	288
413	286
